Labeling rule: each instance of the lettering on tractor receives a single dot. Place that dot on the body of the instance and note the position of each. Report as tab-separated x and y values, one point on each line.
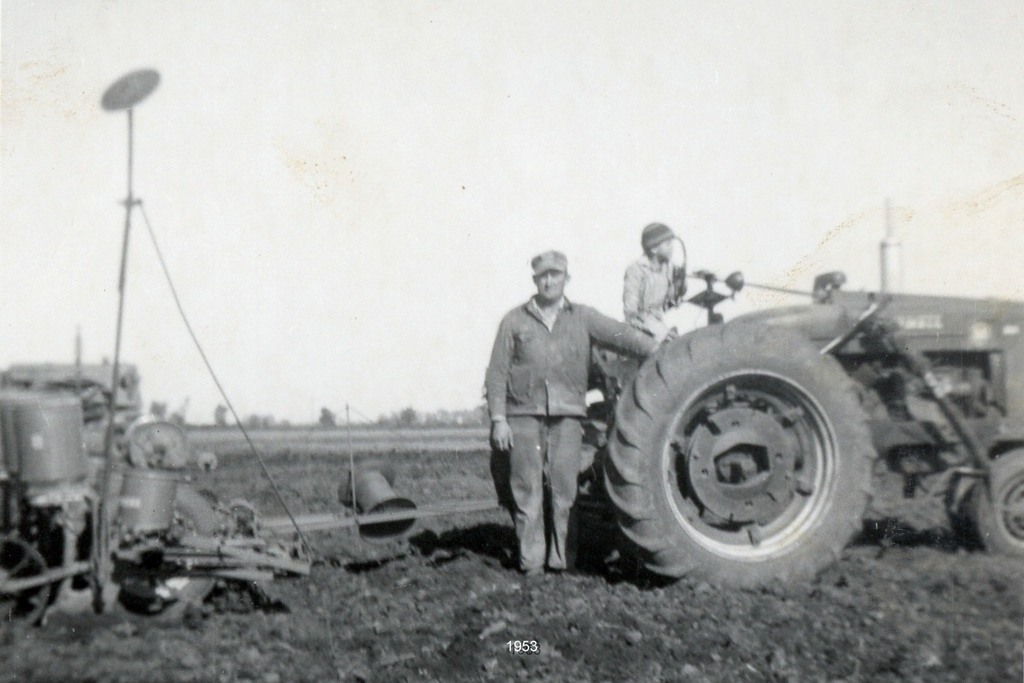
925	321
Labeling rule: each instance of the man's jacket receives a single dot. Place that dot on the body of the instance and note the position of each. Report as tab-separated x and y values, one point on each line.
534	371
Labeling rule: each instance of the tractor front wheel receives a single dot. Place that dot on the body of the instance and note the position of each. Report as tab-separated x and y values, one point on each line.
998	508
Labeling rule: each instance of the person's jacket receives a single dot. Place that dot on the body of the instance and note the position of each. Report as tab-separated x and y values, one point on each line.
536	371
646	295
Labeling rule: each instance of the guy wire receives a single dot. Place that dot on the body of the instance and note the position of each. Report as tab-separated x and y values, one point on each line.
220	388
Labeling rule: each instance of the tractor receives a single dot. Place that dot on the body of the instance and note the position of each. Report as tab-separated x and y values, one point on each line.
743	452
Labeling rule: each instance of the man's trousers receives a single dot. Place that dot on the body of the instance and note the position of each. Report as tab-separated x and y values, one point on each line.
545	458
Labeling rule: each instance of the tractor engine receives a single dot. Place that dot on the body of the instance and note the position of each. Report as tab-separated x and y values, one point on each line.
968	386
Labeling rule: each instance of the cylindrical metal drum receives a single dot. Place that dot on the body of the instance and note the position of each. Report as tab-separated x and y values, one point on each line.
374	495
7	507
147	500
4	471
42	436
9	398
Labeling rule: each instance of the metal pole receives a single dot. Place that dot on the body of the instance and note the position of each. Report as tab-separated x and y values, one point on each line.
101	564
78	360
351	460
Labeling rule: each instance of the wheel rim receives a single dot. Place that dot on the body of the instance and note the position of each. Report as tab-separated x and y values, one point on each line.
19	560
750	465
1010	509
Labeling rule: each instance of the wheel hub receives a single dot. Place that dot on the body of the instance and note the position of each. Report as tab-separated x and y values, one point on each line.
740	464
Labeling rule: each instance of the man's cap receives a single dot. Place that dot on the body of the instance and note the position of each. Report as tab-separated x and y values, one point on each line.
654	234
549	260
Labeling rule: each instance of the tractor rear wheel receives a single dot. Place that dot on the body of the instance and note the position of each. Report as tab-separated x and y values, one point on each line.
740	455
998	508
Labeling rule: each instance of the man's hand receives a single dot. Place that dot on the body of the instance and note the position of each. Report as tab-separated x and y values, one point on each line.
501	436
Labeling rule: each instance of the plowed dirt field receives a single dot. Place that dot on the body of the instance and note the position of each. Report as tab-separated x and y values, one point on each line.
905	602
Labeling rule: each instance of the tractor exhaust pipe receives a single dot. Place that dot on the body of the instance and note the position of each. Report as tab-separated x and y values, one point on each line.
891	257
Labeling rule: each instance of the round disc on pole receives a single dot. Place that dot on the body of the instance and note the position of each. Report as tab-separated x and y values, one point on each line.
130	89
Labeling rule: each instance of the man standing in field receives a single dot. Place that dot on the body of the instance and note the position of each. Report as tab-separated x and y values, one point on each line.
536	385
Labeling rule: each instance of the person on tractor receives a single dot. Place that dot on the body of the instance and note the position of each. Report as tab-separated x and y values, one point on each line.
653	284
536	383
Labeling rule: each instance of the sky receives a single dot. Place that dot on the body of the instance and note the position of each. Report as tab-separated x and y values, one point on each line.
348	194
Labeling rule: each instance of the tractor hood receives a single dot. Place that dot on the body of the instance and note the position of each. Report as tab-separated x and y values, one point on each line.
981	323
937	326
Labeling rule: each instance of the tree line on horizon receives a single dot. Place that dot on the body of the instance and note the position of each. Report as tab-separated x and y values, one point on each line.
406	417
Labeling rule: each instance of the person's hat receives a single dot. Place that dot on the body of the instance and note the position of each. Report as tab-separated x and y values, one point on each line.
549	260
654	234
